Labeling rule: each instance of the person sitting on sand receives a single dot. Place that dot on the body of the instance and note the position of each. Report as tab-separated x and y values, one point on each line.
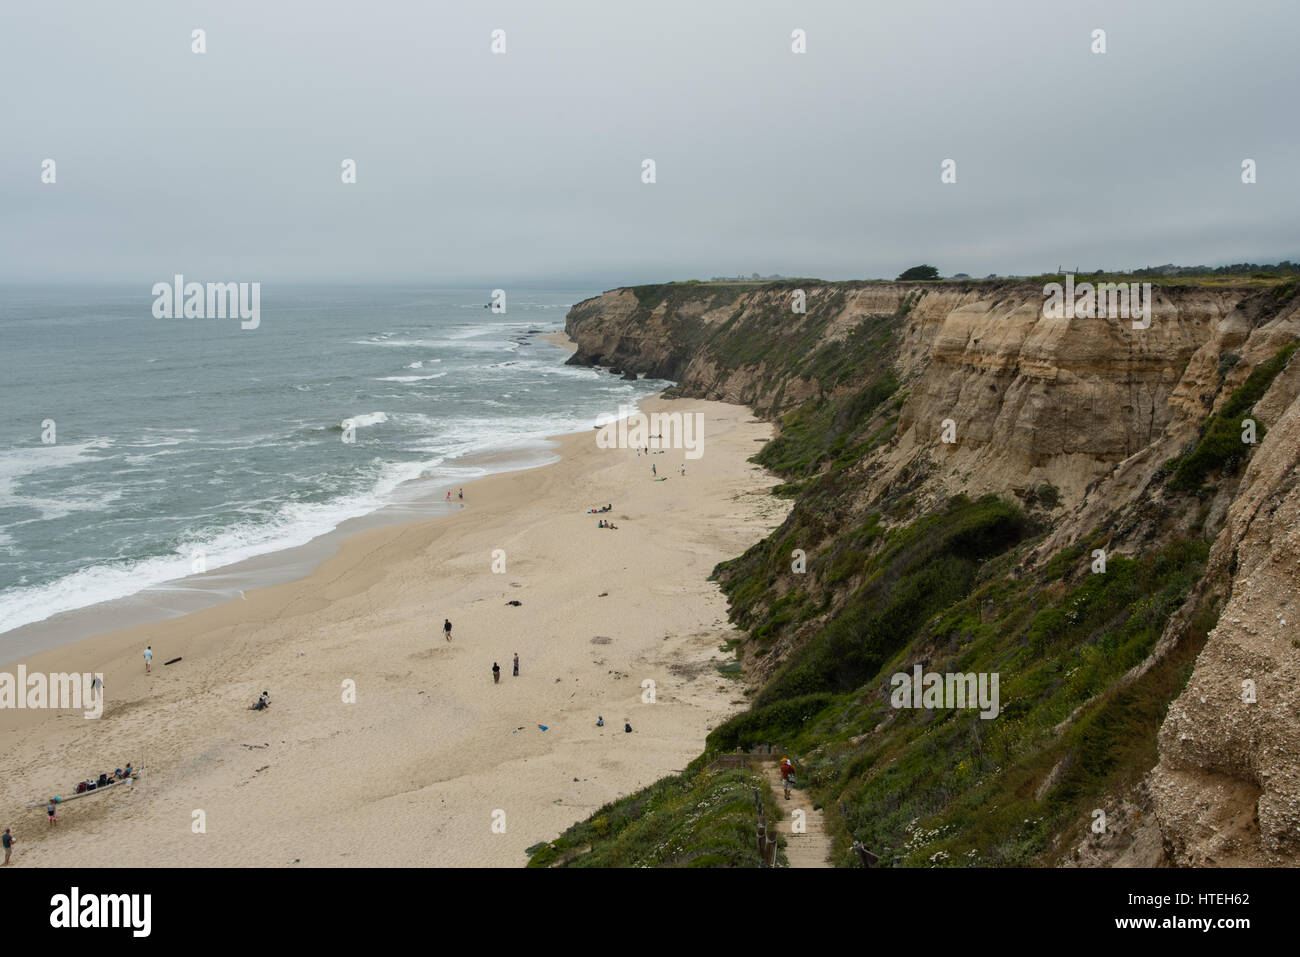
263	702
128	771
600	721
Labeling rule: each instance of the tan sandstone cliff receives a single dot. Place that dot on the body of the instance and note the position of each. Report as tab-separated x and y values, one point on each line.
1093	407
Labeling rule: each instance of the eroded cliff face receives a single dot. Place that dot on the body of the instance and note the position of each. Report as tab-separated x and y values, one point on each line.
1092	407
1081	404
1032	400
1227	788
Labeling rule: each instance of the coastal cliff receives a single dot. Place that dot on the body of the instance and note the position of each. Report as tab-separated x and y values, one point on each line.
1075	504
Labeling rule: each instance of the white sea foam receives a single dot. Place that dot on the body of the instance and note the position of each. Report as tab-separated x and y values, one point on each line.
370	418
16	464
294	524
410	378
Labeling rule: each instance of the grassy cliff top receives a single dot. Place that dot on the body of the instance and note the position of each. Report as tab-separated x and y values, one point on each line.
1255	279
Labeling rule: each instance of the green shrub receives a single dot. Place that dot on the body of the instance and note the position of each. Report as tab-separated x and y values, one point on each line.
918	272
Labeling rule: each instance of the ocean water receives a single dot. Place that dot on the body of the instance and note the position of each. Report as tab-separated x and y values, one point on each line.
191	444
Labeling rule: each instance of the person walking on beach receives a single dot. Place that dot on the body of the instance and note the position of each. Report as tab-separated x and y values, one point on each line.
496	673
448	498
516	664
96	687
460	494
683	470
49	812
148	657
446	628
8	841
653	470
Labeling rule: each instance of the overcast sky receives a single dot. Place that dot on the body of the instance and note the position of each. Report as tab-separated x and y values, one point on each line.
496	169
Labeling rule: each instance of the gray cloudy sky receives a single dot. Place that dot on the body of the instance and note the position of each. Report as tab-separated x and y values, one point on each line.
481	168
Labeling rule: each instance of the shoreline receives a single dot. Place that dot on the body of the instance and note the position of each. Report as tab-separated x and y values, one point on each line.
416	500
413	770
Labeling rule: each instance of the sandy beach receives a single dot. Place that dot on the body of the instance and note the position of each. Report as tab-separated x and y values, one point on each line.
432	764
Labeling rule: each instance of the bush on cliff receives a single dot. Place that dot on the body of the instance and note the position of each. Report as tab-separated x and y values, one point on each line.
918	272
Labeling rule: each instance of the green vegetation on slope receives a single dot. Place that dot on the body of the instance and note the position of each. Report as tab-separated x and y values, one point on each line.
950	787
947	786
916	572
1220	447
699	818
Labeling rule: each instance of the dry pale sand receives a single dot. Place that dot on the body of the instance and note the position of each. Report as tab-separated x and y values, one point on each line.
415	770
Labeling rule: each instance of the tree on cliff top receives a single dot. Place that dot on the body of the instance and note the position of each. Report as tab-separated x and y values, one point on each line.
919	272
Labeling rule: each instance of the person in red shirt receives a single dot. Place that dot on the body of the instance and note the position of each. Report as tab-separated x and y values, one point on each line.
787	776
